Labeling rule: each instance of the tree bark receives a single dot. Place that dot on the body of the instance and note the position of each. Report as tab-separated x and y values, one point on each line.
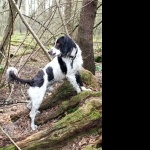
68	8
85	33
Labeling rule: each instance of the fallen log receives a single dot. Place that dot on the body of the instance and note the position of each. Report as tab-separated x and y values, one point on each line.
66	105
85	117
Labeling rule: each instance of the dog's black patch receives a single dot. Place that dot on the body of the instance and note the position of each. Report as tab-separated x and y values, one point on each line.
50	74
62	65
78	79
38	80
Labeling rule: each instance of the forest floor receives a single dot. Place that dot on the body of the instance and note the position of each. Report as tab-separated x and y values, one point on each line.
17	101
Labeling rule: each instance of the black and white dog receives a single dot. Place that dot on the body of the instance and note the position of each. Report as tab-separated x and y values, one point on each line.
66	64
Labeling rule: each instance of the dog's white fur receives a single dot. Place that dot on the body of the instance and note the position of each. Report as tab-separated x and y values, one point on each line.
36	93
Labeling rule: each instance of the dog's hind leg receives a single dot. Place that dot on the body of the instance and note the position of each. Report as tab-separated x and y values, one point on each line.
34	111
32	116
36	96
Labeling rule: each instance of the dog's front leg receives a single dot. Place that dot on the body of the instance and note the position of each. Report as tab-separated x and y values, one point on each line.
79	82
72	79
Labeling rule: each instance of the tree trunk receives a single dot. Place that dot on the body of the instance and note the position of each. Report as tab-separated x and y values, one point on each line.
68	8
85	33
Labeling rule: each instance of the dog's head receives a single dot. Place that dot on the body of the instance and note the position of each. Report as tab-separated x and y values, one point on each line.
64	46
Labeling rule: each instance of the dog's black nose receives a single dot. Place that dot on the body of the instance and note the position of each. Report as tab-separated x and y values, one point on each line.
51	53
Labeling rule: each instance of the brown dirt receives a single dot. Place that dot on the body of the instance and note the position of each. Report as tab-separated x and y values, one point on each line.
17	102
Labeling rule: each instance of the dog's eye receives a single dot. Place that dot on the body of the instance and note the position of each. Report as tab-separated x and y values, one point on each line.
57	45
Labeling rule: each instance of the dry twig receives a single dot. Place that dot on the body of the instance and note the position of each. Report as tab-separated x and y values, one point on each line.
10	138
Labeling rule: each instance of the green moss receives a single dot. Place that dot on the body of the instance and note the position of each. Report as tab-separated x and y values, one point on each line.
81	96
28	44
76	99
96	94
95	115
89	79
23	51
79	114
65	104
62	93
11	147
71	110
18	38
98	59
86	77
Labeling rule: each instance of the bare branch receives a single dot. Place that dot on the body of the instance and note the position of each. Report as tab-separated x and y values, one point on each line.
99	5
10	138
63	21
97	24
38	23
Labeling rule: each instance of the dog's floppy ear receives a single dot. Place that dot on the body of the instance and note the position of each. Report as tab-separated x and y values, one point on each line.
68	47
72	53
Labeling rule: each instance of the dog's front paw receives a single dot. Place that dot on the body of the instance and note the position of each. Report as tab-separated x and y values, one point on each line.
85	89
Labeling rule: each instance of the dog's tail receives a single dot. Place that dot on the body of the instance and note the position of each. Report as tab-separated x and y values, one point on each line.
12	75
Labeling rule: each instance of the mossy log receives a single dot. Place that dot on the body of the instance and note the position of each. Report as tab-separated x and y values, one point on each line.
85	117
67	105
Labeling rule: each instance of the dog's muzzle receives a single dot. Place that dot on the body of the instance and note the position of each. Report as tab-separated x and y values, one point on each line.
51	53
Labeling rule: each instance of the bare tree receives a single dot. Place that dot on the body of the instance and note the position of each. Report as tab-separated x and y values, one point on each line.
8	30
85	33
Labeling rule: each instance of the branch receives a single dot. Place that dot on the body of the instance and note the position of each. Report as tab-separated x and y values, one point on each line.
78	25
99	6
63	21
38	23
9	138
98	24
74	29
31	31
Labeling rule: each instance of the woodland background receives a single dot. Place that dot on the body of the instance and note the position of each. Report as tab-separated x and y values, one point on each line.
24	40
